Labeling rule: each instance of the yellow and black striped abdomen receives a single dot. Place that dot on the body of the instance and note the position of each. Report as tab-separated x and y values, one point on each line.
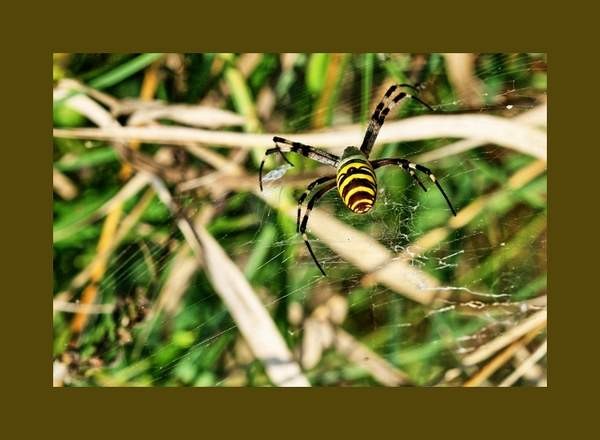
356	183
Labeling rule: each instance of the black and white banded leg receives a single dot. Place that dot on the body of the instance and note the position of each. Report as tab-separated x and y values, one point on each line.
305	194
316	196
392	97
411	167
378	163
296	147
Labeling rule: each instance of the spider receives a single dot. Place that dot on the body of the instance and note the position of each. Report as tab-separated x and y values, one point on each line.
355	176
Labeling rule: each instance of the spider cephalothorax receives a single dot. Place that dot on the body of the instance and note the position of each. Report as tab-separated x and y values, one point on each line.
355	178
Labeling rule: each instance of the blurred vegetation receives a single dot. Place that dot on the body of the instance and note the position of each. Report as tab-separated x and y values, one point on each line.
194	341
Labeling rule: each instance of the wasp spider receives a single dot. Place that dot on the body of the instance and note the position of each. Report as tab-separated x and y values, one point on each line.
355	176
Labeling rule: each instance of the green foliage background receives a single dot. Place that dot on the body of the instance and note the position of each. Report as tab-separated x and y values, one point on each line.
502	250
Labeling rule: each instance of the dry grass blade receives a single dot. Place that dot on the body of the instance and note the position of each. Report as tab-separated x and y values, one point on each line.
319	328
183	269
130	189
87	107
533	374
500	359
460	68
60	374
485	128
194	115
529	363
103	248
69	85
90	309
527	325
321	332
247	62
333	71
368	255
214	159
318	336
248	312
537	116
63	186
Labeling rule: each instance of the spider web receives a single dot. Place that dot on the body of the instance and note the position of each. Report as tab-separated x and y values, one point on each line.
487	271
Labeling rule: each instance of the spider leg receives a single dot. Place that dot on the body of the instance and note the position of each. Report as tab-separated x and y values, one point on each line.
306	193
405	166
416	178
410	167
320	193
296	147
392	97
434	180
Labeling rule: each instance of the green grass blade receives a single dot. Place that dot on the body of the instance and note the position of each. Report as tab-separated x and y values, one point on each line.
125	70
367	84
260	250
